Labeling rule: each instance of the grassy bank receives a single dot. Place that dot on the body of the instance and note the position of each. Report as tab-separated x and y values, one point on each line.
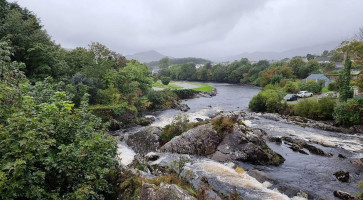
200	87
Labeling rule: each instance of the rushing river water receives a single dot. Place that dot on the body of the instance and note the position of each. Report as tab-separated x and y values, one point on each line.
311	173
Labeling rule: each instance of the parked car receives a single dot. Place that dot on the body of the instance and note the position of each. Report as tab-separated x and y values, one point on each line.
302	94
291	97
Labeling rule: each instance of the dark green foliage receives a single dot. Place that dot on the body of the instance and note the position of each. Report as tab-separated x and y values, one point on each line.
162	99
311	86
321	109
291	87
268	100
349	113
165	80
185	93
56	143
345	90
332	86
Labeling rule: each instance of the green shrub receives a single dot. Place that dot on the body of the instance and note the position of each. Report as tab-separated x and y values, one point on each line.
349	113
161	99
108	96
179	125
267	100
224	124
311	87
321	109
332	86
185	93
291	87
165	80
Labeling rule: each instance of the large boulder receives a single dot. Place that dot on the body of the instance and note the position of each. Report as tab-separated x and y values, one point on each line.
144	140
202	140
241	144
164	192
244	145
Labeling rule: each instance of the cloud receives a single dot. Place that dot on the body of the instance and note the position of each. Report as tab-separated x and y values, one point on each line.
207	28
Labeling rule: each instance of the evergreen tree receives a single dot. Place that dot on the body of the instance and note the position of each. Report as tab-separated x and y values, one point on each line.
345	90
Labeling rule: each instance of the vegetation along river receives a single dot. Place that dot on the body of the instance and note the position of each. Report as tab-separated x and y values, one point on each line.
306	172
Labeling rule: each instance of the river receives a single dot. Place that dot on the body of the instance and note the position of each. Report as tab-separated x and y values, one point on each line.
311	173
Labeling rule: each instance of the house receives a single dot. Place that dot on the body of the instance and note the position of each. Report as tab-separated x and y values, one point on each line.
317	78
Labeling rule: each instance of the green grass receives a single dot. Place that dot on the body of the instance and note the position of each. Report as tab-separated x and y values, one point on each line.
158	84
325	89
204	88
172	85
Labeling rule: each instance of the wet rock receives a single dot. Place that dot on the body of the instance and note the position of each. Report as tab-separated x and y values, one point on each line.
345	195
245	146
152	156
184	107
199	119
342	156
146	120
201	140
357	161
299	145
277	140
342	176
164	192
143	141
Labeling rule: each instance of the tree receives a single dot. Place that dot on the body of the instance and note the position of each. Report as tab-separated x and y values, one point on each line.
310	56
165	80
345	90
164	63
359	83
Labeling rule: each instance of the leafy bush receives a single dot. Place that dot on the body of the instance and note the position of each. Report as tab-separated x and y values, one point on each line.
291	87
224	124
179	125
165	80
109	96
333	86
311	87
185	93
161	99
321	109
267	100
349	113
62	153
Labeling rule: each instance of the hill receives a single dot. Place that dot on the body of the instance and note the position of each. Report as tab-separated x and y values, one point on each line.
146	56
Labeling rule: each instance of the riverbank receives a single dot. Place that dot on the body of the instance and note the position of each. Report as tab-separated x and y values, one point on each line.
312	156
176	85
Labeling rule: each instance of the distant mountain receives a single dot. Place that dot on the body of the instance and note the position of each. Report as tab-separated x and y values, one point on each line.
178	61
146	56
270	55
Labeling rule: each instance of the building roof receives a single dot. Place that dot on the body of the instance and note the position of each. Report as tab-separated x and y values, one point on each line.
317	76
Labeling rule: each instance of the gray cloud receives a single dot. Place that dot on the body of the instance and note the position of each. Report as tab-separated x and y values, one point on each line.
206	28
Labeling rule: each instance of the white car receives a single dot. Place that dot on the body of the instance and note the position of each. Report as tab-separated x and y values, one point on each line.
302	94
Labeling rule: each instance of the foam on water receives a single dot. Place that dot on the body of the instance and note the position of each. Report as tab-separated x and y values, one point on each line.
125	154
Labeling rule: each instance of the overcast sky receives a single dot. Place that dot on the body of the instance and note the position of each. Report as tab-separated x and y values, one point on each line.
204	28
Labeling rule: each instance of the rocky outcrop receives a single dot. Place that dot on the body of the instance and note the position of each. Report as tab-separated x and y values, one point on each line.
241	144
202	140
180	106
345	195
164	192
299	145
342	176
143	141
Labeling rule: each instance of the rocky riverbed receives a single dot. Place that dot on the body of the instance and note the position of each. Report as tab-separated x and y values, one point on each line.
263	157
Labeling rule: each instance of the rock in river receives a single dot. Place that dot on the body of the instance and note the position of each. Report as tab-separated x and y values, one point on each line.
241	144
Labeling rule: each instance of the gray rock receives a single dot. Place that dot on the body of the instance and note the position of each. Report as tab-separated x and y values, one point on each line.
245	146
201	140
145	140
164	192
345	195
